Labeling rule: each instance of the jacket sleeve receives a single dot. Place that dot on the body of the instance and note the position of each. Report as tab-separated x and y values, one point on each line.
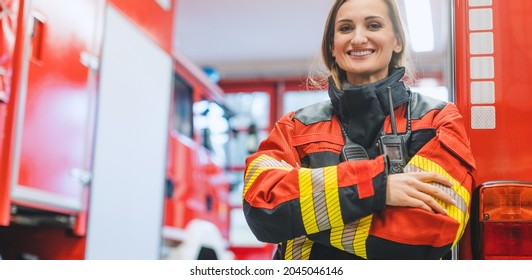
449	154
282	200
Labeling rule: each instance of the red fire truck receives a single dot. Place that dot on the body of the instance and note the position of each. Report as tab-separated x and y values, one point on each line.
111	141
490	83
493	68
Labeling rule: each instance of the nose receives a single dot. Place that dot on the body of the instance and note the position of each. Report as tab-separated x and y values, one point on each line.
359	37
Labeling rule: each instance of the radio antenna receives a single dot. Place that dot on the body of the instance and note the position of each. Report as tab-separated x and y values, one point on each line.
392	113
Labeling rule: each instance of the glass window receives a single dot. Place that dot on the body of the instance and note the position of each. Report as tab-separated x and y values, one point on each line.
210	121
250	124
432	88
293	100
182	111
249	107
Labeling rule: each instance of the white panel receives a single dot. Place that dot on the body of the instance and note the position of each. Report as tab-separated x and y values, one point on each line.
482	68
483	92
481	43
127	192
476	3
480	19
483	117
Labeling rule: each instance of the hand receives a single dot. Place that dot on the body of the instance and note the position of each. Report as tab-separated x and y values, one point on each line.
414	190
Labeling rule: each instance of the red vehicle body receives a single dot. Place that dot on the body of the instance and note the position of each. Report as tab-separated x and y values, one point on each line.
58	74
492	91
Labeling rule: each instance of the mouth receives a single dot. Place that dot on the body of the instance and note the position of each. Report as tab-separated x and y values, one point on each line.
360	53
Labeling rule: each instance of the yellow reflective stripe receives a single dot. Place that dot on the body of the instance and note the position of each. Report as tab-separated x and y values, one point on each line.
362	233
259	165
307	201
333	206
332	197
288	252
307	248
337	234
428	165
460	214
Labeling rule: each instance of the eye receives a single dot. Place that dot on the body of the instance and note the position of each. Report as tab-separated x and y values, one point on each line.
374	26
345	28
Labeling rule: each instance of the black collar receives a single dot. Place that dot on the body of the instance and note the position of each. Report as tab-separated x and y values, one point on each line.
362	109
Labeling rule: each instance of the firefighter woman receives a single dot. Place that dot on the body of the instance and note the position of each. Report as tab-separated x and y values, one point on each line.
377	171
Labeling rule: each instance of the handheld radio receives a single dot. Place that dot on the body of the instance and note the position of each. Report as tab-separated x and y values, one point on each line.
393	145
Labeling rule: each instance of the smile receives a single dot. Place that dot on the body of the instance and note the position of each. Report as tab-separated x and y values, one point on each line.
360	53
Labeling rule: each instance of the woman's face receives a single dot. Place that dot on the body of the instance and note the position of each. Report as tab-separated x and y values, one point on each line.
364	40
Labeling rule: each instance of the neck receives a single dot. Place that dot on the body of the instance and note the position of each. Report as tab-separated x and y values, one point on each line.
359	79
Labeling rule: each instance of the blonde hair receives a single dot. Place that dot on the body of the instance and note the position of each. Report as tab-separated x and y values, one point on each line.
318	76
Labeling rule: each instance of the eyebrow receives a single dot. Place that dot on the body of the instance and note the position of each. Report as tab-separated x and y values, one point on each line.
366	18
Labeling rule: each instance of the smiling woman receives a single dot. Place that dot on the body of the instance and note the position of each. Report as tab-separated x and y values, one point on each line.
364	41
375	172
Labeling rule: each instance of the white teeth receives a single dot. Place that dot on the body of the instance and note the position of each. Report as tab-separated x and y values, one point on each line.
360	53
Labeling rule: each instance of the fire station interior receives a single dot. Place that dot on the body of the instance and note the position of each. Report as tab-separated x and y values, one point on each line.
152	123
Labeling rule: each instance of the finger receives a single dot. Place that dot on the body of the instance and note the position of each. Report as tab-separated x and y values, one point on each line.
432	177
416	203
436	192
430	202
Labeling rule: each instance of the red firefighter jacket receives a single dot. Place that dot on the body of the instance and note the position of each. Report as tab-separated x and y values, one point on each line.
299	194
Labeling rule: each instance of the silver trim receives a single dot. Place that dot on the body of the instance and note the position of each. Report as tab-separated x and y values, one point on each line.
455	252
20	108
452	79
452	50
27	194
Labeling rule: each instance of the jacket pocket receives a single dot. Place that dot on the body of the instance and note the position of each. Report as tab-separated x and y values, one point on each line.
458	147
318	149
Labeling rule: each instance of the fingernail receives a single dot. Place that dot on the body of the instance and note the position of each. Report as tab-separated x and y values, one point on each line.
453	201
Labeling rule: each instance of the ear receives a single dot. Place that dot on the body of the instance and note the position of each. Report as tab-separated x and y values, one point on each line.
398	46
